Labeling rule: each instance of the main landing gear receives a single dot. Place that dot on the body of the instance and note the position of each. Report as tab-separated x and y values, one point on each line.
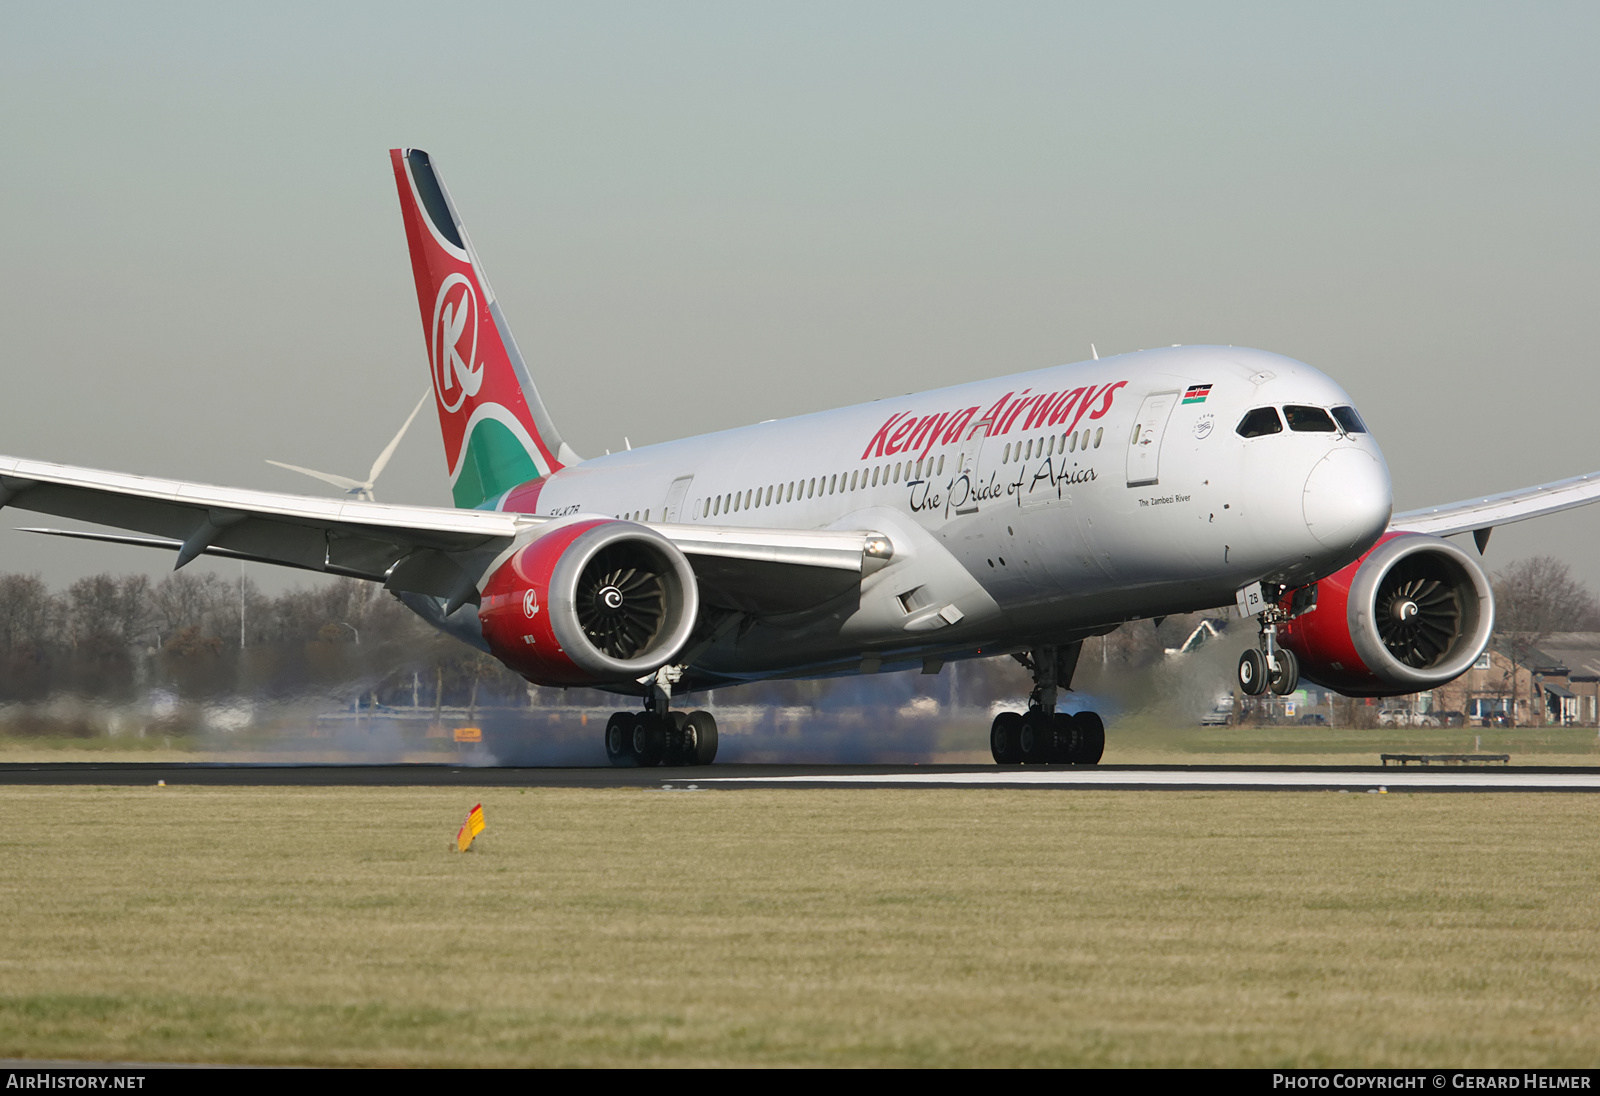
1269	666
645	739
1041	734
659	736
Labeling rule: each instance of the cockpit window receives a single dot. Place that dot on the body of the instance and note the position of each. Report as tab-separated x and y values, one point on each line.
1263	420
1309	420
1349	420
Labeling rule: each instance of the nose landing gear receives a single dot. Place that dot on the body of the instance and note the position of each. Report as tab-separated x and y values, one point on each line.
1271	667
1042	735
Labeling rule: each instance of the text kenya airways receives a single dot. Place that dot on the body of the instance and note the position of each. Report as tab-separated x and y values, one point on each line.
905	431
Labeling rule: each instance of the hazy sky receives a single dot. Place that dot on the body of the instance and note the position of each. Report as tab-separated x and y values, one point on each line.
702	215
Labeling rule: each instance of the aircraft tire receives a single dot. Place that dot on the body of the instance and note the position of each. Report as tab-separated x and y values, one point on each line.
1066	744
1005	737
699	738
1089	738
619	735
1036	739
1252	673
647	740
1287	678
676	752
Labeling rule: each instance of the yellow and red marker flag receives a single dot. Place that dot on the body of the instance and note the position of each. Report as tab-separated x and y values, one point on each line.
471	828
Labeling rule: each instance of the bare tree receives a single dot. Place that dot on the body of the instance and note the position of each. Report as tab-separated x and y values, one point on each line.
1534	598
1540	596
28	615
108	611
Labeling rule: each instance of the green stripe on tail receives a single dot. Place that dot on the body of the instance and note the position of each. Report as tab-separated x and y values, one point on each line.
493	461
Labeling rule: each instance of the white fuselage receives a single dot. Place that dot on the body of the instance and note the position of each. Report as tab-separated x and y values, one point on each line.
1134	497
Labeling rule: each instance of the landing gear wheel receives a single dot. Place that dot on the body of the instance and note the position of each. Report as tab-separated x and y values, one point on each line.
1089	738
1286	679
619	740
1252	673
1036	739
1066	738
648	740
675	753
699	732
1005	738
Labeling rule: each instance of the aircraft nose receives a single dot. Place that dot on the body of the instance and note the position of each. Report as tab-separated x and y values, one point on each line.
1347	499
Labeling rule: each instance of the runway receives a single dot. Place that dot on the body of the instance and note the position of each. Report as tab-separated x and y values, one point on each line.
736	777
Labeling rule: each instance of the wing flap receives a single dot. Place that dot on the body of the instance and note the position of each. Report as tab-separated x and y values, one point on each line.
166	507
412	545
1502	509
828	549
421	549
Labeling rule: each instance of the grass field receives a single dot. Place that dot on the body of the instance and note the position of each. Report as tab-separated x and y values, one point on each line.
799	927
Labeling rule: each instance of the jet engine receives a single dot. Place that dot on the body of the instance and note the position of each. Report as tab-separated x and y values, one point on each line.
1414	612
590	602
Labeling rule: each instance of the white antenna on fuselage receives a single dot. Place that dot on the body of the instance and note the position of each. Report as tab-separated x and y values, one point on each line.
1095	352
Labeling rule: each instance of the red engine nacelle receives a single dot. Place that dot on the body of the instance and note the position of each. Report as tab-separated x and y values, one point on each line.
590	602
1414	612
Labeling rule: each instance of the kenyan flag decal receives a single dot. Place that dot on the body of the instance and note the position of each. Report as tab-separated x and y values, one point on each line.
1197	393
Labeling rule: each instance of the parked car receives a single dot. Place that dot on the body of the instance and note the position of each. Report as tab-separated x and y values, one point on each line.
1405	717
1314	719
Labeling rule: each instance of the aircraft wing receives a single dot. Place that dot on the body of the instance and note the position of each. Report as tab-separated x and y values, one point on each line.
419	549
1480	515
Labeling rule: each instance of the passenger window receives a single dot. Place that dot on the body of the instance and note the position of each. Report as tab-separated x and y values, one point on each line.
1073	448
1309	420
1349	420
1005	458
940	472
1098	434
1259	422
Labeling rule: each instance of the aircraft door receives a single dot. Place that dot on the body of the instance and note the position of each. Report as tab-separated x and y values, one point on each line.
964	483
1144	443
675	496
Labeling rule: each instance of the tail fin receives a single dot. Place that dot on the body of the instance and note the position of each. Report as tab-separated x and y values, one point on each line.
497	433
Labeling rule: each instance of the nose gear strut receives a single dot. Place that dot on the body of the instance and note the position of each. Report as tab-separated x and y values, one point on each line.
1270	666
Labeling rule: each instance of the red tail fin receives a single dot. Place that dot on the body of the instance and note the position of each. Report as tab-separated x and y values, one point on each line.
497	433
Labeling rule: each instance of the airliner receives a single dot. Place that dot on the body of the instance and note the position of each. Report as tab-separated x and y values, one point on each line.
1012	516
